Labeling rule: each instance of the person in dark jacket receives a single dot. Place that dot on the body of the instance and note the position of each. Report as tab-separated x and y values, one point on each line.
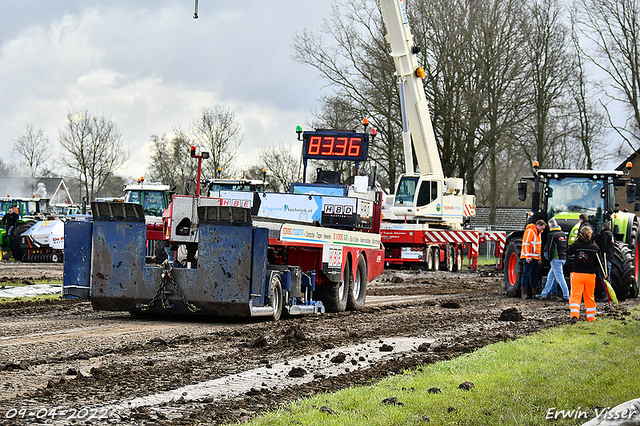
11	218
555	251
584	221
583	277
606	241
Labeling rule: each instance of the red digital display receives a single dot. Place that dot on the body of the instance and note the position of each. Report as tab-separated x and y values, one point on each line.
335	146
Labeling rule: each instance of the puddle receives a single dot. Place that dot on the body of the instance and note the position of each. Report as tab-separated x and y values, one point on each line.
277	376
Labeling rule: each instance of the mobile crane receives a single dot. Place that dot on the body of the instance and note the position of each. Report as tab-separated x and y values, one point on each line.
423	224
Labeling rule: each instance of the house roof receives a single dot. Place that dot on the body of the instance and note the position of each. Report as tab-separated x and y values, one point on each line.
623	165
26	186
507	218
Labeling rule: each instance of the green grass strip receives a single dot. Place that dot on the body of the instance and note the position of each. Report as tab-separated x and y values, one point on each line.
564	371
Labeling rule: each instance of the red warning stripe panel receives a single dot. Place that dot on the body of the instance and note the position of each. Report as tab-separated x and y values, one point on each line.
499	237
469	210
457	237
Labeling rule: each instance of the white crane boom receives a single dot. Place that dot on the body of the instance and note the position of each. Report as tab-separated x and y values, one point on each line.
404	52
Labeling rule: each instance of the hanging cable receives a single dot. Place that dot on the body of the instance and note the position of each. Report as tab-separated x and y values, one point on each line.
195	12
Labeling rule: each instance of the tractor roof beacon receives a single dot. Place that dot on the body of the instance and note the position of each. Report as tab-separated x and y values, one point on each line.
564	195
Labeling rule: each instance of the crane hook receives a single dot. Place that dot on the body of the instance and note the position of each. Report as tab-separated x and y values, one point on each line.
195	12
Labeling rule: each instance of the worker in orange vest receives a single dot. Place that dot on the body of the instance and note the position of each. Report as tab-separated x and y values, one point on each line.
531	256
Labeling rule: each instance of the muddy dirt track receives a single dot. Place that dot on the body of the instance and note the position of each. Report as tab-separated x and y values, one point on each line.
62	363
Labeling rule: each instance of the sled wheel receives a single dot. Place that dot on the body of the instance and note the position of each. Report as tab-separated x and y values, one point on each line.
275	296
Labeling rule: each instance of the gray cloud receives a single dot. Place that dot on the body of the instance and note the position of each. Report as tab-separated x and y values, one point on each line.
148	65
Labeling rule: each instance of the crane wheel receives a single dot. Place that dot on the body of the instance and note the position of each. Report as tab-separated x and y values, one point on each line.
429	254
436	258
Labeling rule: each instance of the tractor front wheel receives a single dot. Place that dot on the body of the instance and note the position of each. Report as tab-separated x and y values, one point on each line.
513	268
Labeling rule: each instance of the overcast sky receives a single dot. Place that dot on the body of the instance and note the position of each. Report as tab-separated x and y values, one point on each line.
148	65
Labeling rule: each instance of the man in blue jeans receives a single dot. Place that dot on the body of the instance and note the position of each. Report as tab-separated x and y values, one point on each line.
556	253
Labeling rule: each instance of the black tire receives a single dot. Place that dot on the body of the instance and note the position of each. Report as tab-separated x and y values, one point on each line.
622	272
55	257
451	258
275	297
635	251
455	258
513	268
429	259
16	233
436	258
358	291
159	252
334	296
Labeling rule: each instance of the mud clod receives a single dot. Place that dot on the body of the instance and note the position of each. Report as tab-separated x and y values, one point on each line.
259	342
339	358
325	409
424	347
434	390
392	401
386	348
466	386
297	372
450	305
511	314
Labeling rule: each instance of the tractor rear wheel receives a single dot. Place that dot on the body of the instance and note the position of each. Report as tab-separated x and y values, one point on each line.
16	239
622	272
635	251
513	268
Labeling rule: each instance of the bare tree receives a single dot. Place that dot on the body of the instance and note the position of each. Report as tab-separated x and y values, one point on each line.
171	163
613	27
547	53
442	30
6	169
350	53
33	151
501	66
219	132
258	172
94	149
281	164
588	121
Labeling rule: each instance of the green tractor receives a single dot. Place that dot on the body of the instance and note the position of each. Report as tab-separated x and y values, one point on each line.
28	207
564	195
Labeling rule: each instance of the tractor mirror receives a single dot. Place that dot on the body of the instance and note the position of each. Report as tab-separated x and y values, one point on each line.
631	192
522	191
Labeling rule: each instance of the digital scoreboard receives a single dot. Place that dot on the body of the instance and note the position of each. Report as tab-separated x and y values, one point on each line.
329	145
